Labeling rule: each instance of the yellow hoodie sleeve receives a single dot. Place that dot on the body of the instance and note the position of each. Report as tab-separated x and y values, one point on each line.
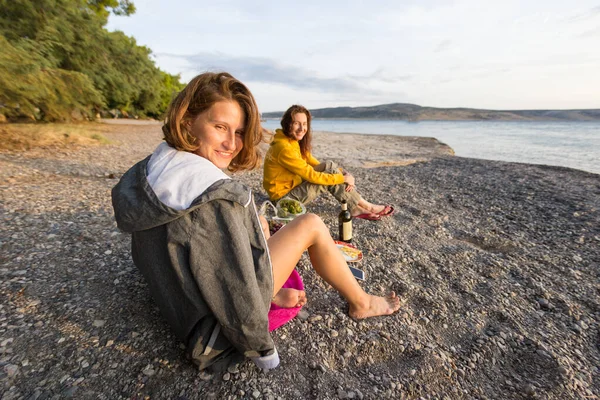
313	162
292	160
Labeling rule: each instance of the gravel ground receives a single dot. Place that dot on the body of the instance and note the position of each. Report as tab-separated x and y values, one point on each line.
498	265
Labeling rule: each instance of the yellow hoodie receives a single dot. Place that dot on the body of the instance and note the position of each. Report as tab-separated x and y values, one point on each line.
285	168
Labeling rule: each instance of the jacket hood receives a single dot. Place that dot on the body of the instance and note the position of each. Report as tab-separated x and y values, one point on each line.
138	206
280	137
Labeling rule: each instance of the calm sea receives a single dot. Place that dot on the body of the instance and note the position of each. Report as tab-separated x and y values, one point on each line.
567	144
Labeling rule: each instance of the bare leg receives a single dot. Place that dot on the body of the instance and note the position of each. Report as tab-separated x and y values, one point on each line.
363	207
309	232
285	297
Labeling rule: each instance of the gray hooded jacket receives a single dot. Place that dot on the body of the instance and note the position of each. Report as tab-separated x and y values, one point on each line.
207	267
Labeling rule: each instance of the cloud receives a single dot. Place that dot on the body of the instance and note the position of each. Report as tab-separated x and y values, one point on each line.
590	33
382	75
443	45
269	71
591	13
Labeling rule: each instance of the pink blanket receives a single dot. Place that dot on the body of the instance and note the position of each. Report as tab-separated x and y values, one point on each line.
279	316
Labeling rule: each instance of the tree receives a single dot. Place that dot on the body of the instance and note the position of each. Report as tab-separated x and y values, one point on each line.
60	58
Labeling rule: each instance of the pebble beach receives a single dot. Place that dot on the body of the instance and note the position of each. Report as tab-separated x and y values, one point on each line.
497	265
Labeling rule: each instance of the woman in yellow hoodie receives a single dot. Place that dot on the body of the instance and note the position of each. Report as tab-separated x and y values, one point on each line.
291	170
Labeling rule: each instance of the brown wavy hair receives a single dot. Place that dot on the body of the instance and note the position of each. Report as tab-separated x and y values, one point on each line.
201	94
286	125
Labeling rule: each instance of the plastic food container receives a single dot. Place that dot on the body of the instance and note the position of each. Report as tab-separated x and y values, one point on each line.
284	211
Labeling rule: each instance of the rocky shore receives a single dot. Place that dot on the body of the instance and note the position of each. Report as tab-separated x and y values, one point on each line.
498	265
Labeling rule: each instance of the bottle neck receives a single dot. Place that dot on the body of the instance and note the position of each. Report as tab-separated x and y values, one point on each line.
344	206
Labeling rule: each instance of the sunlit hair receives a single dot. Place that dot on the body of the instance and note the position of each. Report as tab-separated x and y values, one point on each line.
286	125
197	97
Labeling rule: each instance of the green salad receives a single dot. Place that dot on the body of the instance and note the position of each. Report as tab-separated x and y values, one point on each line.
290	206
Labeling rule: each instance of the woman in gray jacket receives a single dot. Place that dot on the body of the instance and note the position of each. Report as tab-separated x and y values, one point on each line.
198	239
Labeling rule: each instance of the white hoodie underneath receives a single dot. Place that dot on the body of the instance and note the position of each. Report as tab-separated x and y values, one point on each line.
178	177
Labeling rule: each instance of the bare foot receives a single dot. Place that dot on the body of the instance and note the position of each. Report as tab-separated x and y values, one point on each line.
367	209
376	306
358	210
376	208
288	298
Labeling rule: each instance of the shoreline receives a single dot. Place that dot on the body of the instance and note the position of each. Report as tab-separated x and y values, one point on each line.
497	263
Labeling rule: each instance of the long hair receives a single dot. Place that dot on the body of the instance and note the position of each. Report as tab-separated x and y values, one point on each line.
201	94
286	125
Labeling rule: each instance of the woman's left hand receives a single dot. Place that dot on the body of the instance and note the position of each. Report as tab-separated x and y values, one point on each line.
349	179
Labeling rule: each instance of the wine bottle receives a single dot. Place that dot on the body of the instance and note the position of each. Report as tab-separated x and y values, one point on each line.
345	224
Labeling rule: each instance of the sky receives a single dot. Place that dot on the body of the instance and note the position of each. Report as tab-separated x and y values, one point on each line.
536	54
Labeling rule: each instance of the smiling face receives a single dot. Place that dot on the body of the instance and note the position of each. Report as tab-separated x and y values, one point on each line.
299	126
220	132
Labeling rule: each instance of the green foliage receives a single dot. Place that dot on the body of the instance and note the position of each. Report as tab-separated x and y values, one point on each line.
119	7
30	87
57	58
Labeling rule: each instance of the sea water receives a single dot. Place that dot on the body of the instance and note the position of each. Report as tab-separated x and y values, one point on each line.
566	144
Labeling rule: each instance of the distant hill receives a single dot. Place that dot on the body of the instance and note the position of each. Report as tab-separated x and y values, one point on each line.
413	112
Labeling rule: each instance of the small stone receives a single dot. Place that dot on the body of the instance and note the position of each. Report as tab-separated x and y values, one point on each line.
342	394
256	394
413	372
226	376
70	392
303	316
149	370
11	370
545	304
99	323
529	389
205	376
563	370
334	333
233	369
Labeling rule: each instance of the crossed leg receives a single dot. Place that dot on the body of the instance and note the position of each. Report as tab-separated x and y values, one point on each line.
285	297
309	232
